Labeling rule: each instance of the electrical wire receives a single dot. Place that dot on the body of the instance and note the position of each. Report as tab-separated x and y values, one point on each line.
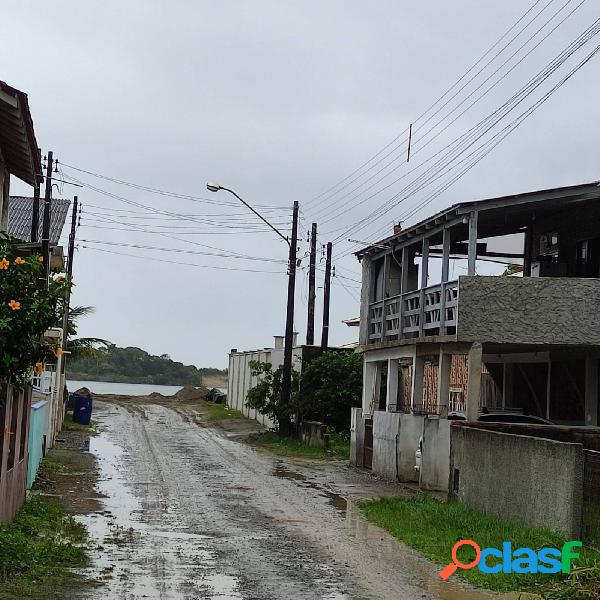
173	262
472	136
443	96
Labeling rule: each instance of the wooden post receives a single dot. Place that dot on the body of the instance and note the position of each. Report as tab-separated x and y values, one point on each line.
443	391
424	278
474	381
445	276
365	302
472	243
326	298
392	385
403	285
417	383
46	218
312	295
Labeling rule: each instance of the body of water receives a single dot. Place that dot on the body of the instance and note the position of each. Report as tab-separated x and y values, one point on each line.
125	389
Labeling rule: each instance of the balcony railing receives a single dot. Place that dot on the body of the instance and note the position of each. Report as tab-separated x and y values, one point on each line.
429	311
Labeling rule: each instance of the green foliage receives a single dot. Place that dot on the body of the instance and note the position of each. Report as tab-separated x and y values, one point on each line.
82	347
41	542
27	309
330	386
511	270
433	527
265	396
291	446
133	365
222	412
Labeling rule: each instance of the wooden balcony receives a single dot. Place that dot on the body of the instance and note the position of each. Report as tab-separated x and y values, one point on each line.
498	310
429	311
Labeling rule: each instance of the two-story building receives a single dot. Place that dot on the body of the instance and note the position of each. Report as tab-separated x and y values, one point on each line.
534	341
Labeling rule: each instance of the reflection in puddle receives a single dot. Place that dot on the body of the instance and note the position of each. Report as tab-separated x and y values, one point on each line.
139	547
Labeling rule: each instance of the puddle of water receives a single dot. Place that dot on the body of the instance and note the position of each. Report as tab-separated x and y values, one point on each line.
141	549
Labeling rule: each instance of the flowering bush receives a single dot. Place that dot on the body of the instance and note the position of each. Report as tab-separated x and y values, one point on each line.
27	310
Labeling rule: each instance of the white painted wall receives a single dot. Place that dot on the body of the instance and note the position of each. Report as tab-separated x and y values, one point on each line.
241	380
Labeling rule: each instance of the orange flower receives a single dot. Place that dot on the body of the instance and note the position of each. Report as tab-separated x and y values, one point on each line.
14	305
19	261
57	352
39	367
40	259
4	264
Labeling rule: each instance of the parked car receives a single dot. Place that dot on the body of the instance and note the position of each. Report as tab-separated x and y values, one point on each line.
499	416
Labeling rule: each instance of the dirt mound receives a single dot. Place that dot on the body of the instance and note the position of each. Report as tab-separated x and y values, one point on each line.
191	394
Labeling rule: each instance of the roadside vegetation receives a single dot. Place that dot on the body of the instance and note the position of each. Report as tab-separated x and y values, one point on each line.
39	550
222	412
432	527
339	448
329	386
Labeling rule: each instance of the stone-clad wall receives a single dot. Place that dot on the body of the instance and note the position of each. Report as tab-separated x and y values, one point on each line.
529	310
534	481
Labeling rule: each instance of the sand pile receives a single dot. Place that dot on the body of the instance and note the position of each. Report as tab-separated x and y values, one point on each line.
189	393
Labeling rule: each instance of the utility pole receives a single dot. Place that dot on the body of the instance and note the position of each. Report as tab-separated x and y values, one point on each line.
286	379
312	294
71	253
326	297
35	212
46	218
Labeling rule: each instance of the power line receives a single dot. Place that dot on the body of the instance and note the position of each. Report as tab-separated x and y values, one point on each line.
182	251
173	262
456	148
329	210
440	99
165	192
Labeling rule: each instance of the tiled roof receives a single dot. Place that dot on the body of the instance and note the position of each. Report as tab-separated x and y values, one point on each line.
20	211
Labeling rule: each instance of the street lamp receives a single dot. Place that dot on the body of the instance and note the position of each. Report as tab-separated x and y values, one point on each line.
286	379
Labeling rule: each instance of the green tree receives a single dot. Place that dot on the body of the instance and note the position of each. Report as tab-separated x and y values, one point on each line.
330	386
266	397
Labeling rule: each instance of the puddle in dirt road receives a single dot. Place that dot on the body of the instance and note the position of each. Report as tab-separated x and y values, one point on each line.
135	556
384	545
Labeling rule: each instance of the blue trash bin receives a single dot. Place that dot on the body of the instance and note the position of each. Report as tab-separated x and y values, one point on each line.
82	409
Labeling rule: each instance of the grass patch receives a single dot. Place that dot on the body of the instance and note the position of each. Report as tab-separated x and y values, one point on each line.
39	549
70	425
291	446
222	412
433	527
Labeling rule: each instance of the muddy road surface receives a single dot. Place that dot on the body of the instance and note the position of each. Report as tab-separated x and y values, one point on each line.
191	513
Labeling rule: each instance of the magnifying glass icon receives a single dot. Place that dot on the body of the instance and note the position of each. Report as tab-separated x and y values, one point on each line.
450	569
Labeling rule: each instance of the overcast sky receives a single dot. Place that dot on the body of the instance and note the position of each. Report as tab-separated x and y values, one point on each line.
280	101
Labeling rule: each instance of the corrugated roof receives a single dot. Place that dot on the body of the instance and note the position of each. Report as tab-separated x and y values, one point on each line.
20	211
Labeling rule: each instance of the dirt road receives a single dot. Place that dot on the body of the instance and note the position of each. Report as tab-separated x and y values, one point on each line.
191	513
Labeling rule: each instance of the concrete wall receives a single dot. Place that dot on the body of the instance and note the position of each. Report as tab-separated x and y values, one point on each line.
435	462
534	481
241	379
386	434
357	437
411	429
531	310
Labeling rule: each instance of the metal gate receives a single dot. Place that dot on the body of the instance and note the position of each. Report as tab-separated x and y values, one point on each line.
368	444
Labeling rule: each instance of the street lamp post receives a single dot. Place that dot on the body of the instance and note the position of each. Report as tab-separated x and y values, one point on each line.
286	380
